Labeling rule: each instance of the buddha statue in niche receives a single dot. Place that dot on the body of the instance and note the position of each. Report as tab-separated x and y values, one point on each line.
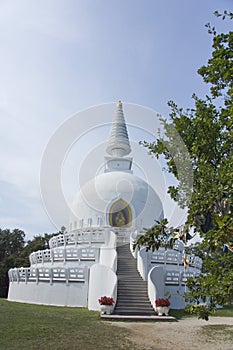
120	219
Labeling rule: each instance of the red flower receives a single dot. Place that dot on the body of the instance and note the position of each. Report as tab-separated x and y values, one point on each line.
106	301
162	302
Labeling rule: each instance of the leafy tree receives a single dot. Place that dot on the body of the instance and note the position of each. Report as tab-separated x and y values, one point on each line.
14	252
39	242
196	249
207	132
11	242
11	245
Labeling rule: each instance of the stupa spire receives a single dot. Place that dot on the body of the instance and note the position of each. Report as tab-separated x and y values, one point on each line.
118	143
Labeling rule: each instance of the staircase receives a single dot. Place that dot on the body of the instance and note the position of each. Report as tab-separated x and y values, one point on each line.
132	298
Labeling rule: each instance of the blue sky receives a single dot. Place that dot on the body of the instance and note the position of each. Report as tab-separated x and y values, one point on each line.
59	57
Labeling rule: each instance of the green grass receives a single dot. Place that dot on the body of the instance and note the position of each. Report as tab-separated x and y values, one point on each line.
179	314
226	311
27	327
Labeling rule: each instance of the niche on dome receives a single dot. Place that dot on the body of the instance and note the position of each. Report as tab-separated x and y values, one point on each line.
120	214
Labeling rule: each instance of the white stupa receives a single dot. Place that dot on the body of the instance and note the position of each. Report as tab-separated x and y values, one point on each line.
117	193
83	264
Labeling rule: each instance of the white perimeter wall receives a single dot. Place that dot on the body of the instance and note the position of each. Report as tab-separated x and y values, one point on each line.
59	294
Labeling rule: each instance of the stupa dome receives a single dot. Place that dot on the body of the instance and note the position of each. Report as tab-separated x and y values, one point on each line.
102	200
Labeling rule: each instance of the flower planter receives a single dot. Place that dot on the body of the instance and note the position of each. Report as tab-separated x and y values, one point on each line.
162	310
162	306
106	309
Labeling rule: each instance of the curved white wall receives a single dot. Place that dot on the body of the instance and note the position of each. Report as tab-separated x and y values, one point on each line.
108	257
155	284
111	239
143	262
102	281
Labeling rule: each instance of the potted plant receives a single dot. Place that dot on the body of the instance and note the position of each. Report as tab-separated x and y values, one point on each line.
106	305
162	306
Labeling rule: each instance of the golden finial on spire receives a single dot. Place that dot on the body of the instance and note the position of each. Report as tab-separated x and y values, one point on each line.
119	104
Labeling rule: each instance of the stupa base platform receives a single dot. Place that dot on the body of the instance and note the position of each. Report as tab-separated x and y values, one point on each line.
155	318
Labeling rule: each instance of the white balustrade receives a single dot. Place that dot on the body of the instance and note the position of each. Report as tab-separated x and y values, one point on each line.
175	277
58	254
158	256
79	236
172	277
72	254
174	257
187	274
34	274
77	274
39	256
179	246
45	274
88	254
59	274
46	255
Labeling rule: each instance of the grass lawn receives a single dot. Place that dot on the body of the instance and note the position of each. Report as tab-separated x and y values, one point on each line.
26	327
179	314
226	311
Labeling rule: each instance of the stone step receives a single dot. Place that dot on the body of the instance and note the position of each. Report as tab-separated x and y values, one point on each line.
133	317
129	280
142	300
134	303
132	278
135	310
132	284
133	307
128	273
132	288
121	268
130	299
130	312
129	294
129	269
132	291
